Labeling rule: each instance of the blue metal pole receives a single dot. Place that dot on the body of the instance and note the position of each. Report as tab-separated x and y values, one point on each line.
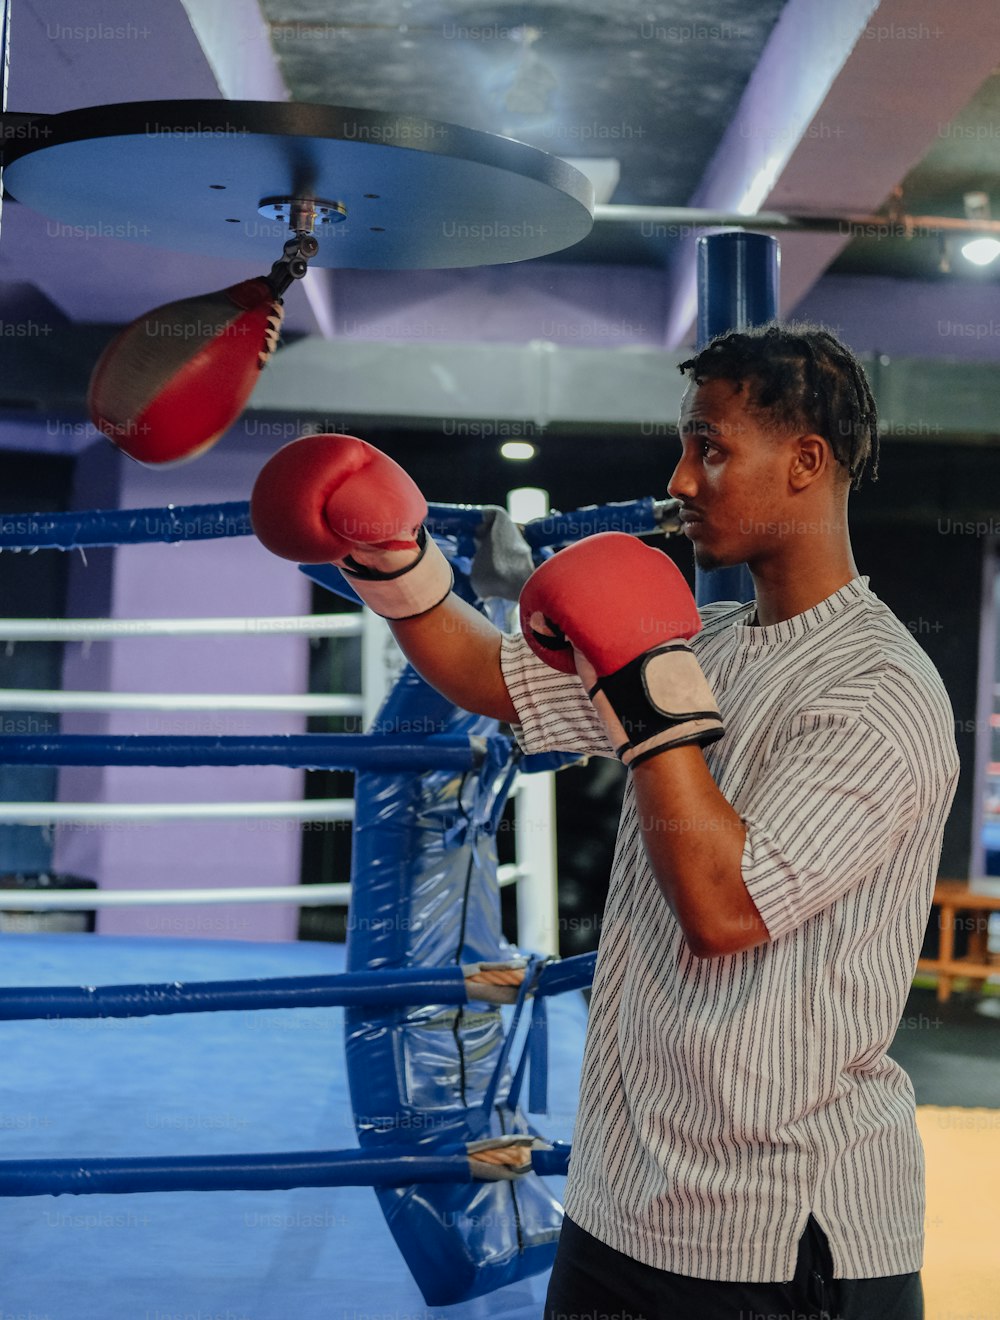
737	288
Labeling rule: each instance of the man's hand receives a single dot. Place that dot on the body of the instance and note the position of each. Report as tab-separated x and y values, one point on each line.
619	613
335	499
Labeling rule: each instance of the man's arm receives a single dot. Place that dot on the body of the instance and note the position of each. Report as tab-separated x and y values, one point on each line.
618	613
694	841
457	650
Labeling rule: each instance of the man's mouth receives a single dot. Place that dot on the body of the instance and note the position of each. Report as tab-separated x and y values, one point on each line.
689	519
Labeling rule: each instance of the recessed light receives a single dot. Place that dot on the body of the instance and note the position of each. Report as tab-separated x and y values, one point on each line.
517	450
981	251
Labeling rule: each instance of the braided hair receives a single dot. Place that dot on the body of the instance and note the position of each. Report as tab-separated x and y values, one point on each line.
800	377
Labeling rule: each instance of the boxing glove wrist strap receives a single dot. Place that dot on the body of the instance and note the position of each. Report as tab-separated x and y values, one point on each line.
409	591
658	701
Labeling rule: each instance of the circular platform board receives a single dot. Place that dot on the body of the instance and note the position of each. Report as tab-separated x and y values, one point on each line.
191	176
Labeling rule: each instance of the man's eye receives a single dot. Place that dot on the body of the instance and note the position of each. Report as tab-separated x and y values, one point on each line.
707	448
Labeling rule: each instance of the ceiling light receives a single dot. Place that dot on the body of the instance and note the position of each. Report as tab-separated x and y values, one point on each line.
981	251
518	450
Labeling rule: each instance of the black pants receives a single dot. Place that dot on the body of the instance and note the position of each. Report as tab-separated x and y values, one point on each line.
591	1281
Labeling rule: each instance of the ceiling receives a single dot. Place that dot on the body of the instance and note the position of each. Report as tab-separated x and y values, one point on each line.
775	104
645	84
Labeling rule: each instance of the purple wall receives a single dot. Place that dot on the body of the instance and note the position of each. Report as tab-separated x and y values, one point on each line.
614	306
575	306
226	577
958	318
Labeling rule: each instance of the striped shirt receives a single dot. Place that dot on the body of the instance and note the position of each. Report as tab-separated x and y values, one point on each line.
724	1099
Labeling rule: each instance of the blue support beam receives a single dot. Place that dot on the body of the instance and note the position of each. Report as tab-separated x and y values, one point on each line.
737	288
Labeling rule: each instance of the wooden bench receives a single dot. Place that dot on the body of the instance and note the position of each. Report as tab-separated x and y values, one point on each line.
976	964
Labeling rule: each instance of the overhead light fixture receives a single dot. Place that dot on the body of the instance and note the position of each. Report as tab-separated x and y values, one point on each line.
980	251
517	450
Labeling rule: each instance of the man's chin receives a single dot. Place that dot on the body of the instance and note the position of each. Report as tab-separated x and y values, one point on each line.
708	560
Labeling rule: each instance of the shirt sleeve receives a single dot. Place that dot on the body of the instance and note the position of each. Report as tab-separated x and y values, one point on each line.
554	712
825	814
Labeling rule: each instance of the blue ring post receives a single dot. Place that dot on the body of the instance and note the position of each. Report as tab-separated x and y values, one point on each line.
737	288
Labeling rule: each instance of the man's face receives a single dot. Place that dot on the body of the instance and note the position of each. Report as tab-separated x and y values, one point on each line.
731	478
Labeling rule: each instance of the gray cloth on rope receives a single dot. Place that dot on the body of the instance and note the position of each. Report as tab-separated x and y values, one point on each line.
502	562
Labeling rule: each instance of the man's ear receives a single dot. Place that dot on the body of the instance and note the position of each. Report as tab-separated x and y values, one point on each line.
811	457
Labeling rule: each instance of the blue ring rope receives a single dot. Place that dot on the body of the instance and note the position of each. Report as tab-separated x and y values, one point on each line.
310	751
209	522
398	985
271	1172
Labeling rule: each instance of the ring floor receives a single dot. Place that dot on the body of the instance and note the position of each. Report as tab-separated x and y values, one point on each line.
207	1083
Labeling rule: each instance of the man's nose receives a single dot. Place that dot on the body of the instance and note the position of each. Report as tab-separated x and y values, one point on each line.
681	485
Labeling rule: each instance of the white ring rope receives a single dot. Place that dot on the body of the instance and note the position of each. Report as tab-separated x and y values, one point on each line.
73	813
36	900
62	699
76	630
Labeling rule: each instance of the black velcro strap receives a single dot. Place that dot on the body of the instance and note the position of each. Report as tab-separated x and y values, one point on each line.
352	568
626	692
554	641
640	716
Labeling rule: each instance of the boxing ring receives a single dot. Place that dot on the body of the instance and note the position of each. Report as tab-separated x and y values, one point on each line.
206	1177
212	1160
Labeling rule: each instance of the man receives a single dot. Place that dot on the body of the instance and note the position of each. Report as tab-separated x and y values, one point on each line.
744	1145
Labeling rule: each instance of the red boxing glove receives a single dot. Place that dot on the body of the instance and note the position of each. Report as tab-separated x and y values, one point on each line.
618	613
335	499
174	380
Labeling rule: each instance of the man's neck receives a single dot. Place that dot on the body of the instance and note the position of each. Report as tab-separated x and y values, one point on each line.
782	594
